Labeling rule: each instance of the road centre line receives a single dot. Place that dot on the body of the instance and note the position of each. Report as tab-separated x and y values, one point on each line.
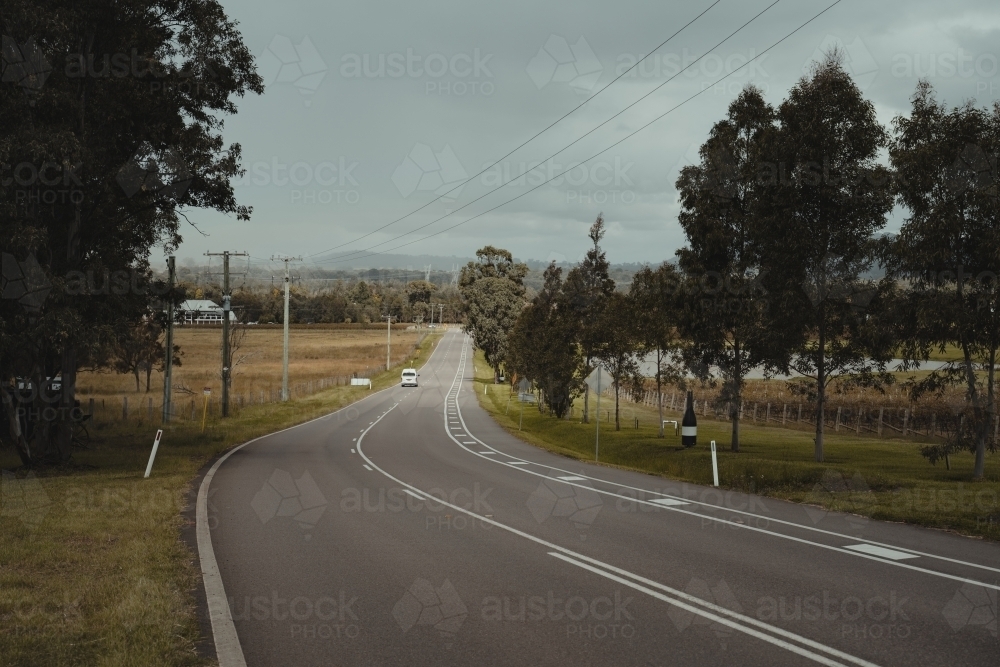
707	613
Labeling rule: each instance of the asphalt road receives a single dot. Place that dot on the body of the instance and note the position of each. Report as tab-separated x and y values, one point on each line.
410	529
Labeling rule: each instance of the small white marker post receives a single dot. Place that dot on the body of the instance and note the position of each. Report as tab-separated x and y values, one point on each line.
152	454
715	466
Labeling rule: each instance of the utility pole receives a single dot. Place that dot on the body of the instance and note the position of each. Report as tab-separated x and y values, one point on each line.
388	338
441	313
227	360
168	364
284	354
431	325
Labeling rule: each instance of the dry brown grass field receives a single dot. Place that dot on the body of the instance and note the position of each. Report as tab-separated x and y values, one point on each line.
314	353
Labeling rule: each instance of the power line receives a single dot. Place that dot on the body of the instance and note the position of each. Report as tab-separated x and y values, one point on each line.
572	143
526	142
631	134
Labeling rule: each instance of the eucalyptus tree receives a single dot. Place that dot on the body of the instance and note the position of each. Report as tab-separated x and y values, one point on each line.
948	254
826	199
586	288
112	119
543	346
723	309
653	293
615	325
493	296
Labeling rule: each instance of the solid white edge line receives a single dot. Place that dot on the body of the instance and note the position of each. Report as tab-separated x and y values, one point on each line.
733	524
227	642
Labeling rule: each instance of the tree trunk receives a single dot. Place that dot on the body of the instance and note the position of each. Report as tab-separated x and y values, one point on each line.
14	427
991	414
618	425
149	373
135	372
67	393
820	386
734	411
659	393
978	427
586	395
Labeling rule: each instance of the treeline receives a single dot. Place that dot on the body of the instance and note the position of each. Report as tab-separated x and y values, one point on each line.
343	301
787	265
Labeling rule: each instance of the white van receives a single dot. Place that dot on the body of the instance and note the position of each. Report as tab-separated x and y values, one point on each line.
409	377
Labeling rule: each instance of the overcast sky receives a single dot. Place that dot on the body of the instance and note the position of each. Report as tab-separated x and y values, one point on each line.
373	109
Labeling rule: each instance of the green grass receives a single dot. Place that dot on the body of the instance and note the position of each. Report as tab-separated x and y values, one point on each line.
94	572
881	479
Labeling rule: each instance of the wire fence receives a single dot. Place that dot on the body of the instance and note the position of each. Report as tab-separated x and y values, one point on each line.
147	410
883	421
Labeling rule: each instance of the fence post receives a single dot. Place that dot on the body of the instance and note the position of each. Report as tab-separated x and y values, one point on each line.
880	412
906	420
784	413
836	427
124	408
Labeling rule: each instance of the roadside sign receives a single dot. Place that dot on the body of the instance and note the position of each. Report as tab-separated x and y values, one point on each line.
207	391
598	380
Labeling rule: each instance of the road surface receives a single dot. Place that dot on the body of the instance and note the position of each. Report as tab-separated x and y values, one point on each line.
410	529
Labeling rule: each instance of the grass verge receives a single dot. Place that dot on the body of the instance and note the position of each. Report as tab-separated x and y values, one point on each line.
882	479
92	567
